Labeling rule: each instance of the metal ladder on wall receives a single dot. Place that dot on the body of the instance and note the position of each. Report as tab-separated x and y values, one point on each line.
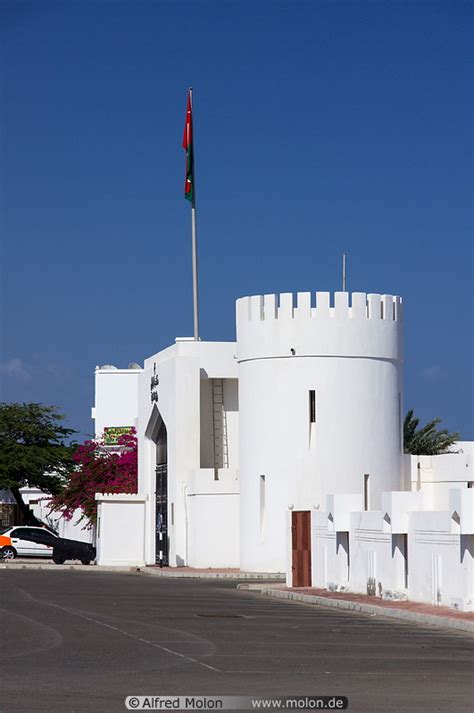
221	449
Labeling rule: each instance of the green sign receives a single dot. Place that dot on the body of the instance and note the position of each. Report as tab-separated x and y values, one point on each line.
113	433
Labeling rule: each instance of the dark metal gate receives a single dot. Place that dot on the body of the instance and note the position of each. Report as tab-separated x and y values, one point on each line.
301	548
161	556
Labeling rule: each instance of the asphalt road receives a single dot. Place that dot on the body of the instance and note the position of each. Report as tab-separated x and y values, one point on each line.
79	642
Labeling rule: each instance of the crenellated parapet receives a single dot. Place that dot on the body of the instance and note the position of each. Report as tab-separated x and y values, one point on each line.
320	324
320	305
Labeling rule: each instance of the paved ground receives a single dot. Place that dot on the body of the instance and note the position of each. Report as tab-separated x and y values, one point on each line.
75	642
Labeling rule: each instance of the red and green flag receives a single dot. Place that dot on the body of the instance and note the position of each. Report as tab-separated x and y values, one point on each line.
188	147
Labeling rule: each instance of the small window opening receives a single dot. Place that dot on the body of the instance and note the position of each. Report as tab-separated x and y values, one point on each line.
405	558
400	422
262	504
366	491
172	513
312	406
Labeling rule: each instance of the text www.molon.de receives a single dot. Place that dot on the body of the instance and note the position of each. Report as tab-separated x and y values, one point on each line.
236	703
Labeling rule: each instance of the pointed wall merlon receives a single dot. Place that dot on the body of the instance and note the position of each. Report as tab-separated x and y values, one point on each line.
303	305
322	309
374	303
285	310
461	503
270	307
256	307
347	306
339	509
341	305
359	305
396	505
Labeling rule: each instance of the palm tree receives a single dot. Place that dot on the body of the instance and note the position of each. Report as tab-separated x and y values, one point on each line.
428	440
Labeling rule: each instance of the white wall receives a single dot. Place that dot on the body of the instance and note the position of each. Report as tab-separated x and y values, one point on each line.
184	371
401	551
120	530
441	560
377	557
329	554
213	519
365	559
436	475
231	406
116	398
352	358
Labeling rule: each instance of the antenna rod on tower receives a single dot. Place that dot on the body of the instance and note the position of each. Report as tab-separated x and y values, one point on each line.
343	271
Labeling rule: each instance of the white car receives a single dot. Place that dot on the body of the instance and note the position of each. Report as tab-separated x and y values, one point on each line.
26	541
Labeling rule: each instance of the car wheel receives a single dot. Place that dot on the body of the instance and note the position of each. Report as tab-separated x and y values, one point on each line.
8	553
58	560
86	561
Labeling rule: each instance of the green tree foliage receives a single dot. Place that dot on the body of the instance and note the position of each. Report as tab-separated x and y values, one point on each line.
427	440
33	451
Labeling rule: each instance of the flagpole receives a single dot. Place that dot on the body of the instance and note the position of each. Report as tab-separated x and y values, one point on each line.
343	271
194	245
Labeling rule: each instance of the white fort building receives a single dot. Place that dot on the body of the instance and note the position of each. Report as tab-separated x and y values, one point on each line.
283	452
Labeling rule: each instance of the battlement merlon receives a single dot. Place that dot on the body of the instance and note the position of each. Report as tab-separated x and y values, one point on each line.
348	325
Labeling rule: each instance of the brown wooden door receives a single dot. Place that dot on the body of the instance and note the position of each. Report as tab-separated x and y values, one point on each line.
301	547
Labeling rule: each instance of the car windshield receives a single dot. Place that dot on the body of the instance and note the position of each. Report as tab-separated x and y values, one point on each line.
4	529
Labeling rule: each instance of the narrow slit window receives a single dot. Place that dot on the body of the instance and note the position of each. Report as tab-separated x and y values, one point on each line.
400	424
366	491
312	406
262	504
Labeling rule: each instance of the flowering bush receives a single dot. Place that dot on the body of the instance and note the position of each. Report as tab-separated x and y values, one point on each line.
98	470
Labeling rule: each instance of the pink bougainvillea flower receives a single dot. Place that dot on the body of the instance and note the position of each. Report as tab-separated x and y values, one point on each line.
99	470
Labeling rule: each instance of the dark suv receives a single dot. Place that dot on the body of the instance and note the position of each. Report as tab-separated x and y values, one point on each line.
73	550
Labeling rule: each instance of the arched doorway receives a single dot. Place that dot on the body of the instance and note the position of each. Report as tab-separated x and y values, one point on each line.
161	498
156	432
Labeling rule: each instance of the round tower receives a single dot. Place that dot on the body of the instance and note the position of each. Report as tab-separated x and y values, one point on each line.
320	402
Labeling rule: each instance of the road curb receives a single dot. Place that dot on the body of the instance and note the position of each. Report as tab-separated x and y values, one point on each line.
391	613
149	572
172	574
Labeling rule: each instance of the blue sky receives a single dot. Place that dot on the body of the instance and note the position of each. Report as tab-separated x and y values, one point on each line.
320	127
